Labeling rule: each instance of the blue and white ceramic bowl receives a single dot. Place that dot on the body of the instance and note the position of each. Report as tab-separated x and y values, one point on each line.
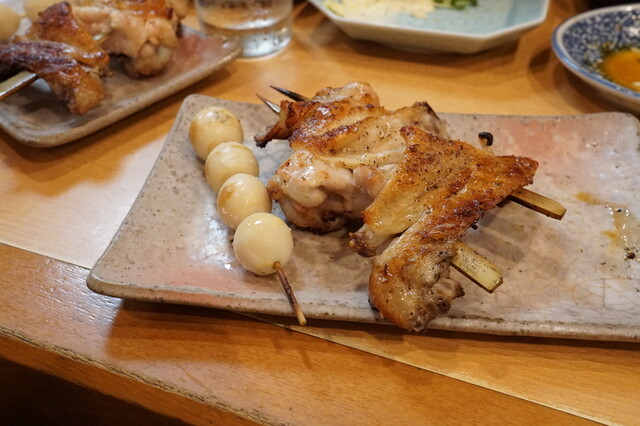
581	42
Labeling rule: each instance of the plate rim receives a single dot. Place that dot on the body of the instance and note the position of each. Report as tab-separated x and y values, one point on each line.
171	294
431	32
230	50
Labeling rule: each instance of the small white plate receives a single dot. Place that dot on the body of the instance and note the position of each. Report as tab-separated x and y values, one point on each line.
36	117
581	42
566	278
489	24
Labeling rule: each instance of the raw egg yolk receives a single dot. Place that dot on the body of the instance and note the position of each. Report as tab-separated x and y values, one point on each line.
623	68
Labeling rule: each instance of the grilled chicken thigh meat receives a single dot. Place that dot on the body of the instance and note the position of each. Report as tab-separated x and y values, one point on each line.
143	32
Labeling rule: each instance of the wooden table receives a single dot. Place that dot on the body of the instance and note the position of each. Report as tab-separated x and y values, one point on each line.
214	367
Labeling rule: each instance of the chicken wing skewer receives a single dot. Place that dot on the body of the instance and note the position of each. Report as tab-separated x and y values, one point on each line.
59	50
24	78
472	265
143	33
414	190
524	197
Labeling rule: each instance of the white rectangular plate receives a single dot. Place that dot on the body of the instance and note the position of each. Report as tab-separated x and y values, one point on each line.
36	117
571	278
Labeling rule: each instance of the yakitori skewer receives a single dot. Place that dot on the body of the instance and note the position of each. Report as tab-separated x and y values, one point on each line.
24	78
524	197
467	261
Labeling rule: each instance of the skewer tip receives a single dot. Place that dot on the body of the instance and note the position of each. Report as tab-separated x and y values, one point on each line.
290	94
289	292
271	105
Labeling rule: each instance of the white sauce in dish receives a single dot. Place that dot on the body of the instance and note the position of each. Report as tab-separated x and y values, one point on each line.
379	9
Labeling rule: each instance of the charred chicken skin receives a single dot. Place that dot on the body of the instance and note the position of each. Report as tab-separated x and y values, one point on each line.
59	50
344	152
61	45
416	191
439	190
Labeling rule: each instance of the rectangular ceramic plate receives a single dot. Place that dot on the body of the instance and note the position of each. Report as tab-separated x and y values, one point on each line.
572	278
489	24
36	117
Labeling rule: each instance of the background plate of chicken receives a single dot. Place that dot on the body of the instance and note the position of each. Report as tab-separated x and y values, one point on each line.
575	278
90	63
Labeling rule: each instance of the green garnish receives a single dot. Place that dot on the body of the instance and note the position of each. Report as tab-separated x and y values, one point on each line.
455	4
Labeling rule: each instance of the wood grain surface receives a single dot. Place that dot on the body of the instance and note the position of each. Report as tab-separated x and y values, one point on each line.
214	367
211	367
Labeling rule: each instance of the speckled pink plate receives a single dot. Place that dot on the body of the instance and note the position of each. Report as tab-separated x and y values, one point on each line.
36	117
572	278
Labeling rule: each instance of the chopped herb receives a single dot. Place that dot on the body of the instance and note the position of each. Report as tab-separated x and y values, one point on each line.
455	4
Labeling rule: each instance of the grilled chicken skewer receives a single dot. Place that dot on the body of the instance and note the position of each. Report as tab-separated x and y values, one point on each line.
415	190
25	78
472	265
522	196
440	188
141	32
59	50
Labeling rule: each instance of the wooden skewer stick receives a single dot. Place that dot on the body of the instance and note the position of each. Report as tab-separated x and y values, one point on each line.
477	268
539	203
272	105
15	83
289	292
291	95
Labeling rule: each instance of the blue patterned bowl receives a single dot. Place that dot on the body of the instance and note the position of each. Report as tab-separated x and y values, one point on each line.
581	41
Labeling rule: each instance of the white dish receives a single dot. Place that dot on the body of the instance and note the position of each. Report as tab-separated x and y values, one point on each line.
562	278
476	28
582	41
35	116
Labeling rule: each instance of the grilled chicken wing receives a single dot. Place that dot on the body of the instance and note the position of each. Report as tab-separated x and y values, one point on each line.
329	109
443	179
400	174
343	154
439	190
59	50
58	24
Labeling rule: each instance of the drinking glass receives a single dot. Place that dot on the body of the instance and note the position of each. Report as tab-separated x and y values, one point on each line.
261	26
